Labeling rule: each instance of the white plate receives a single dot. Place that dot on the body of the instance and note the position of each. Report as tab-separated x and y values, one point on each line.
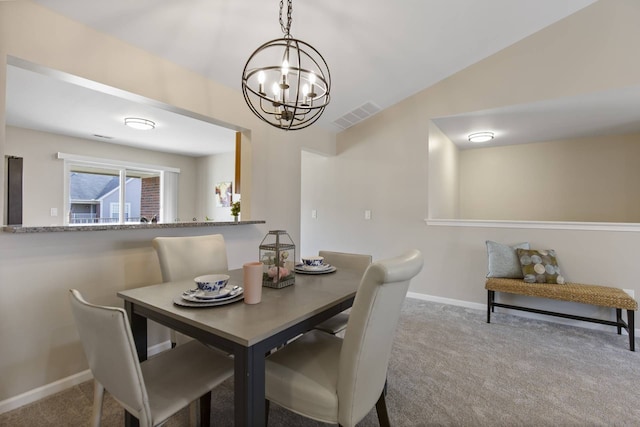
309	268
184	303
196	299
302	270
222	294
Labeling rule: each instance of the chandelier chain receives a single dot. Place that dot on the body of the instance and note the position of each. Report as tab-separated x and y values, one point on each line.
286	28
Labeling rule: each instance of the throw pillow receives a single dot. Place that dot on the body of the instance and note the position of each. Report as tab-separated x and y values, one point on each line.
503	260
540	266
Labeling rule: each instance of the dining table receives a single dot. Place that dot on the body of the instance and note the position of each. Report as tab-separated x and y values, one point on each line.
249	332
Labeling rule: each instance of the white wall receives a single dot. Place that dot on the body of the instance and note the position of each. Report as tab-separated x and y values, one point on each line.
41	340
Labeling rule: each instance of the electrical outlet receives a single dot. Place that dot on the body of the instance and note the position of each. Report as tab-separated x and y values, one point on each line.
314	214
54	211
367	214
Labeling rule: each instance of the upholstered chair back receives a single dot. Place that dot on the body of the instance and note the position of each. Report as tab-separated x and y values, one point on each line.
369	335
188	257
111	353
358	262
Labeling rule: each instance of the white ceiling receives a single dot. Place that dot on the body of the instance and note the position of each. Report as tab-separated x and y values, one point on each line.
378	52
595	114
53	104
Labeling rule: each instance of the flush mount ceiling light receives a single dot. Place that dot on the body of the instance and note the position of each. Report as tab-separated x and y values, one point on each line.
481	137
286	82
140	124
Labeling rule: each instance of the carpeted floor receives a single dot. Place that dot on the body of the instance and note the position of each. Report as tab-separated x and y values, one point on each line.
450	368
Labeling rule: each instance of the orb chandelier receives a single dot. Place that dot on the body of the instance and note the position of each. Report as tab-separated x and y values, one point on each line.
286	82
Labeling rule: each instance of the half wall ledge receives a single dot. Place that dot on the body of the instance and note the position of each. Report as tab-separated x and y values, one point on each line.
140	226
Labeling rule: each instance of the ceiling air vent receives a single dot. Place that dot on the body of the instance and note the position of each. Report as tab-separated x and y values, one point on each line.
354	116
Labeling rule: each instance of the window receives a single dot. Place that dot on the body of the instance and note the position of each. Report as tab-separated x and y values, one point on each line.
100	191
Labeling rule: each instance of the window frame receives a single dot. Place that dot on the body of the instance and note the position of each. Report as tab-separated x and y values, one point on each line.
168	196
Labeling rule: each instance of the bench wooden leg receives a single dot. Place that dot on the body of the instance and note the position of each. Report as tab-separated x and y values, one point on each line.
632	330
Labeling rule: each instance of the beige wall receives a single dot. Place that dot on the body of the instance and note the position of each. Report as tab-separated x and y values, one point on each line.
444	175
40	342
43	182
383	162
211	171
587	179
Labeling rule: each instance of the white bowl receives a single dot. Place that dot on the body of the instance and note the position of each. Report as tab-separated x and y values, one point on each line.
212	283
313	261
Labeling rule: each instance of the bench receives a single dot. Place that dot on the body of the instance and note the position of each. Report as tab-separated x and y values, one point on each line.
575	292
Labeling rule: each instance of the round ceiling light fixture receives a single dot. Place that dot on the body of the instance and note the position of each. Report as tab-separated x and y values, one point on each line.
138	123
481	137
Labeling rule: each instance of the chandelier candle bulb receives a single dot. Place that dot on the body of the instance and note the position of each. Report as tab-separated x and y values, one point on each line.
261	82
302	79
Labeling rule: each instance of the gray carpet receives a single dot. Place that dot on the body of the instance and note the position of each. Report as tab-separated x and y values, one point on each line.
450	368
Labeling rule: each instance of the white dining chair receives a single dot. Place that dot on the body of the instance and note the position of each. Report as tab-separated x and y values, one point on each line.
357	262
187	257
338	381
154	390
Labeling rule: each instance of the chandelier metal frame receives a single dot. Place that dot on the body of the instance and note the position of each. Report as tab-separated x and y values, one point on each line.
297	75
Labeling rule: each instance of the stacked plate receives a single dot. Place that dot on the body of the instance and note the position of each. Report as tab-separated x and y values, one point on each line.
197	298
322	269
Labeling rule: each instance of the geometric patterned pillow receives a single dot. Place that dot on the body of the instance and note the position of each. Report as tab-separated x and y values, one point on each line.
540	266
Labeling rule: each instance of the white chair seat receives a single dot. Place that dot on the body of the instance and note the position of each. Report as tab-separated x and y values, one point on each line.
303	376
172	383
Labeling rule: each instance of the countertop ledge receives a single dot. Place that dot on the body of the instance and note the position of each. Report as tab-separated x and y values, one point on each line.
140	226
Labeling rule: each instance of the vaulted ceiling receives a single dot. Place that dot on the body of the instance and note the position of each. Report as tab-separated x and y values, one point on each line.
379	52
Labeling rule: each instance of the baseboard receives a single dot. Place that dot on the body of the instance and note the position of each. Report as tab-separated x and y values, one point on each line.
450	301
44	391
62	384
158	348
479	306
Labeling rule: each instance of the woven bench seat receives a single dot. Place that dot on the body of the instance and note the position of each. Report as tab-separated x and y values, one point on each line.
603	296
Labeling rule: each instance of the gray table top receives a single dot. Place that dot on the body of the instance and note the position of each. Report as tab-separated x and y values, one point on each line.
248	324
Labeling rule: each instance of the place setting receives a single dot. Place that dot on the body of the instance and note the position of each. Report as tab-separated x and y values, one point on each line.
314	265
212	290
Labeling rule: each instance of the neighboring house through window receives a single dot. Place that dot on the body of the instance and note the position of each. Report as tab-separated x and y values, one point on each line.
100	191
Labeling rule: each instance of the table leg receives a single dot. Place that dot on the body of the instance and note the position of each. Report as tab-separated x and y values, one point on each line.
139	331
249	364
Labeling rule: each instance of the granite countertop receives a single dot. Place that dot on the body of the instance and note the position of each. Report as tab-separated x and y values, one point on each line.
136	226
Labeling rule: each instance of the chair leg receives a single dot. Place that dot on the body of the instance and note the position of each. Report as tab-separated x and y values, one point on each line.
381	409
173	338
98	396
267	402
205	409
